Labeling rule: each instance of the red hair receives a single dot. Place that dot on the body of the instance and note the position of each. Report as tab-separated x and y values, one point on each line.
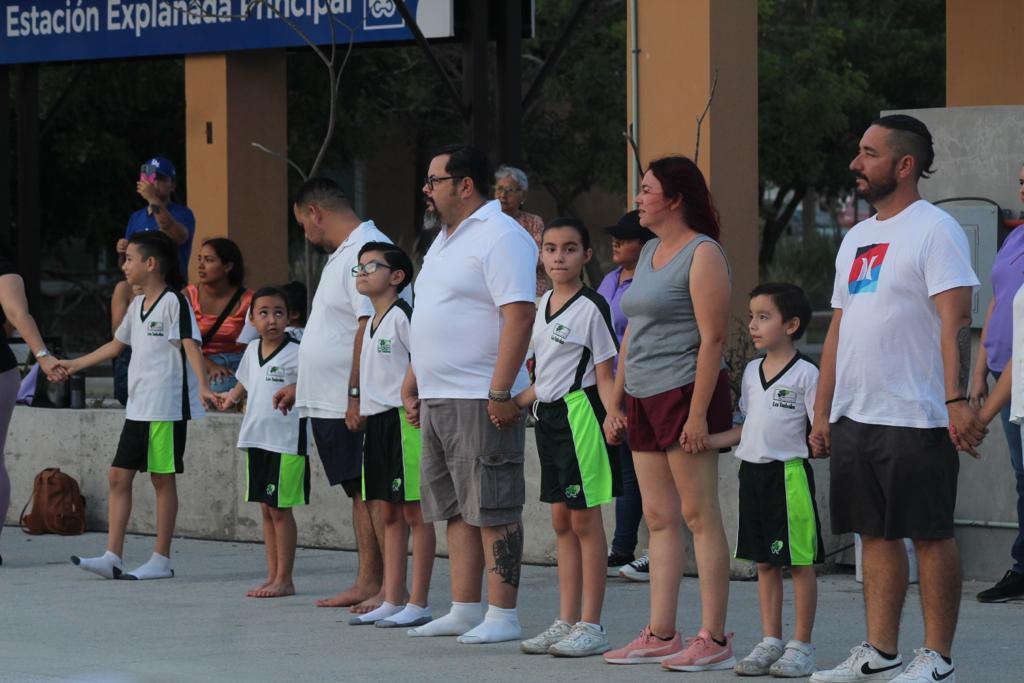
680	177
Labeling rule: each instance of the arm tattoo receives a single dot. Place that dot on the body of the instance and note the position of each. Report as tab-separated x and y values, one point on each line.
963	344
508	555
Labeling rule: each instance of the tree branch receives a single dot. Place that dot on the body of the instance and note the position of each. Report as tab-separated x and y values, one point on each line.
700	119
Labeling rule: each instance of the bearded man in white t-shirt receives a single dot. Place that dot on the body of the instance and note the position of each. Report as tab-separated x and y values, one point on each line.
893	380
328	384
470	330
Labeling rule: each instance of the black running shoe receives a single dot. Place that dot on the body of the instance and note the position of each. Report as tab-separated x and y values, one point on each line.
616	561
1011	586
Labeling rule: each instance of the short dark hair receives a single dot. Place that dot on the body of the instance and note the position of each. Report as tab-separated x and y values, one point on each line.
156	244
569	222
396	258
297	294
264	292
910	137
791	301
228	252
323	192
466	161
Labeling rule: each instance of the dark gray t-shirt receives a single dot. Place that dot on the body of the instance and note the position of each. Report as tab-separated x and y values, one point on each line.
663	337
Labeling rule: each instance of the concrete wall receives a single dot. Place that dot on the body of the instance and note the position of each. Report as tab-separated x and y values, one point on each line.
82	443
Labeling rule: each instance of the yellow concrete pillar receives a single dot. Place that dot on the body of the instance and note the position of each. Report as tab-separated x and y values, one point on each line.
984	52
235	190
681	47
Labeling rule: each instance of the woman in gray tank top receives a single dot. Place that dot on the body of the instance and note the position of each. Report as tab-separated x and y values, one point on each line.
675	392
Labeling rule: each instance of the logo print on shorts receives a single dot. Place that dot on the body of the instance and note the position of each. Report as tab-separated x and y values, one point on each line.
783	397
270	489
776	547
383	346
396	485
155	328
572	491
560	333
866	268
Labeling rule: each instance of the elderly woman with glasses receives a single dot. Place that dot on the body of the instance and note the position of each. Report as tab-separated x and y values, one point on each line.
510	186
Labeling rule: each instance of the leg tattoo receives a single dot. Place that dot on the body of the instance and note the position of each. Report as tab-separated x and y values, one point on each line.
508	555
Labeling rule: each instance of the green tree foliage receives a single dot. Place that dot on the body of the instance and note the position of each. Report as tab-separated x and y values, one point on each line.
826	69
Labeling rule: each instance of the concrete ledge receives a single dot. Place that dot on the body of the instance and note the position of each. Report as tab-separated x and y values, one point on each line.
82	443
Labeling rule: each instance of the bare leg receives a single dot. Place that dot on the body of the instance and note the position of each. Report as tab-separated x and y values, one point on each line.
396	550
166	510
769	592
369	576
503	554
570	565
370	541
885	589
424	547
466	560
119	507
285	535
270	548
665	522
696	479
588	527
805	601
941	583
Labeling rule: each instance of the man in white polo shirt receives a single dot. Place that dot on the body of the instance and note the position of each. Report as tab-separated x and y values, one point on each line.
470	331
328	385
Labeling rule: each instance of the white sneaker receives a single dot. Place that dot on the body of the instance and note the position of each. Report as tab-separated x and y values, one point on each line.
796	662
863	664
637	570
583	641
928	667
539	644
759	660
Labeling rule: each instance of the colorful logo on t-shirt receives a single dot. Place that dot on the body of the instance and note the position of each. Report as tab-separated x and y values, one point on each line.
784	397
276	374
155	328
867	267
560	333
383	346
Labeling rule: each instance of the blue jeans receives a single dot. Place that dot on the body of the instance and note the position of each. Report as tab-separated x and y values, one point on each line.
229	361
1013	441
629	509
121	362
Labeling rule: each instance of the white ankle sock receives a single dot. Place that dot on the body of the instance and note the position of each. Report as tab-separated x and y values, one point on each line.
410	615
777	642
103	565
498	626
158	567
462	617
385	610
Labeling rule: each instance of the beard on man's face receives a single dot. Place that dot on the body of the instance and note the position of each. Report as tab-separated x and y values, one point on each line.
431	219
876	190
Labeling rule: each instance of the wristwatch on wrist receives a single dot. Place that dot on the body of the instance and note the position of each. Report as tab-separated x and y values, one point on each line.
43	353
353	392
499	396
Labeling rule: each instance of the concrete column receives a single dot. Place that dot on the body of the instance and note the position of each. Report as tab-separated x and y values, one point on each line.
984	54
681	45
235	190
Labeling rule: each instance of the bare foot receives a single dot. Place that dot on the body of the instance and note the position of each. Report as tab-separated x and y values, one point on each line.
252	593
351	596
275	590
369	604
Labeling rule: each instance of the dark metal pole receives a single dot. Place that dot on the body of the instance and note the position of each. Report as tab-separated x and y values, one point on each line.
474	82
424	44
27	118
5	158
575	16
510	75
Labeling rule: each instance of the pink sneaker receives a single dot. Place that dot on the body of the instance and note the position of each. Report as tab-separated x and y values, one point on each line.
645	649
702	654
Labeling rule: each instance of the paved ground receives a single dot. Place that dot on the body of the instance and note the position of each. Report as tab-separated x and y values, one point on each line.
61	624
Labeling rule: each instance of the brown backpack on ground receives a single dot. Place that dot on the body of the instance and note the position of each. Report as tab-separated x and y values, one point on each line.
57	505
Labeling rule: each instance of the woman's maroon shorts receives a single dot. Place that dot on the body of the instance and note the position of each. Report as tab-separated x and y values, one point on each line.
656	422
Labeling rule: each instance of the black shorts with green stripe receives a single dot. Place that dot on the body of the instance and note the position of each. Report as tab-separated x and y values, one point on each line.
576	465
280	480
779	522
155	447
391	458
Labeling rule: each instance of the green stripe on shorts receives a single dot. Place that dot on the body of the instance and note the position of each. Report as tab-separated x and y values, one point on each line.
803	531
411	442
291	482
160	453
591	451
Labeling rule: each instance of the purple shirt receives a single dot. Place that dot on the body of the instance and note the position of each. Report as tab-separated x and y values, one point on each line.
1007	278
612	290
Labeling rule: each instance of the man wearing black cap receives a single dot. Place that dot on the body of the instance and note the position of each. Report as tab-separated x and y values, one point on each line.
155	185
628	238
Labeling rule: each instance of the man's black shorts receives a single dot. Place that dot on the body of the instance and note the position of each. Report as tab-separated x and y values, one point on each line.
892	482
341	453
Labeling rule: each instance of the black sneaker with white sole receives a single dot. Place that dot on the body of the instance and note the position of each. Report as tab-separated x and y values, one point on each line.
637	570
616	561
1010	587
